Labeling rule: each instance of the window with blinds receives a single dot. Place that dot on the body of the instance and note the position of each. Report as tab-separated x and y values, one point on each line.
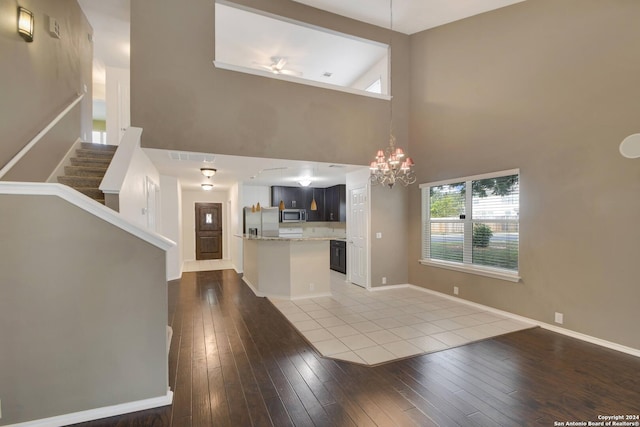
472	224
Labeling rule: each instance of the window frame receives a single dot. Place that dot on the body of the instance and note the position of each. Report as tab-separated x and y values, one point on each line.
465	266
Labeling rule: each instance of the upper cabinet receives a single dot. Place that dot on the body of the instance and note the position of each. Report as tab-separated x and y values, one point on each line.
293	197
330	202
336	203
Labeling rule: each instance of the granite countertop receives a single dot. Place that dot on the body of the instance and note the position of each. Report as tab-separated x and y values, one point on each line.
284	239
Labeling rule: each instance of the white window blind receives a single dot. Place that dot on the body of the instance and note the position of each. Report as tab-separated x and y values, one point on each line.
472	224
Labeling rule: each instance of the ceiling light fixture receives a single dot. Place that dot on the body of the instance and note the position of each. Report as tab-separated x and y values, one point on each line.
207	187
304	182
25	24
208	172
391	166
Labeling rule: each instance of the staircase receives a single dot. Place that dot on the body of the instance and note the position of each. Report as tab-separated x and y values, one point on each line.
88	168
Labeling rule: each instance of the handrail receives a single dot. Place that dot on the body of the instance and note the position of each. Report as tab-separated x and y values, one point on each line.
6	168
88	205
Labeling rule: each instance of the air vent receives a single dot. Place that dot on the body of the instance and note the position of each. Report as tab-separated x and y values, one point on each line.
327	74
274	169
191	157
337	166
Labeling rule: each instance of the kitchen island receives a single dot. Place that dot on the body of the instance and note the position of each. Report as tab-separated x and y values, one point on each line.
290	268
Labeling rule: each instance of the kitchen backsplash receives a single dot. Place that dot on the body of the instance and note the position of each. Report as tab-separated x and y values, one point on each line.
321	229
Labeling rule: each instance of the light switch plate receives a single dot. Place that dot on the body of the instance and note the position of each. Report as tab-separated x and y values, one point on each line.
378	235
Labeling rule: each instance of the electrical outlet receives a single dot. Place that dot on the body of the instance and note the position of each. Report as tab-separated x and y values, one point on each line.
384	280
455	290
312	286
559	318
378	235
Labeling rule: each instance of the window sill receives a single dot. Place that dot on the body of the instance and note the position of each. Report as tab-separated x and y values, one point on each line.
294	79
494	273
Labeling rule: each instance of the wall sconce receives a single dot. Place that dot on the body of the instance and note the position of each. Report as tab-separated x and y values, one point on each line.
208	172
207	187
25	24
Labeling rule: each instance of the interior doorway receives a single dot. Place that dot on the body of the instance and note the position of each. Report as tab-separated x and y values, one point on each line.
357	224
208	231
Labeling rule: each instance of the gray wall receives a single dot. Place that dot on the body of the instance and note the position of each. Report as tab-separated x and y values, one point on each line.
550	87
389	215
82	325
183	102
39	80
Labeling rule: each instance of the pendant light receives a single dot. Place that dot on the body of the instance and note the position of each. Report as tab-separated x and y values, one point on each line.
281	205
314	205
391	165
258	207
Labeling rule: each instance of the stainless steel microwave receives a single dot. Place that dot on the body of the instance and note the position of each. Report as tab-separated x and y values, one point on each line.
293	215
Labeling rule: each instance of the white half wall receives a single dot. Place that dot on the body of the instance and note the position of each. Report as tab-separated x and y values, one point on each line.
189	200
133	193
171	226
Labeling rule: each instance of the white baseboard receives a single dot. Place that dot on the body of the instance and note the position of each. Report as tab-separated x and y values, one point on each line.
66	161
96	414
568	332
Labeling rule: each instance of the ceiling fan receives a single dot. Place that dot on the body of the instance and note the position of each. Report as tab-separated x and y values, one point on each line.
277	67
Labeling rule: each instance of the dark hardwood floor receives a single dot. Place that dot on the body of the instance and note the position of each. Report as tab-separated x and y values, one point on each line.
235	361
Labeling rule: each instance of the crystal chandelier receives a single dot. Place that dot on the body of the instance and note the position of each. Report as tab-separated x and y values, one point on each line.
392	167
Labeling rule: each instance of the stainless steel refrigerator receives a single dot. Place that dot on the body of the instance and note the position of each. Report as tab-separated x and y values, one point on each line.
264	222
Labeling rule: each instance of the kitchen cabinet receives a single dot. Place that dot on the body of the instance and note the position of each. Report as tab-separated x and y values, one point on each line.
319	214
292	197
300	198
336	203
331	202
338	256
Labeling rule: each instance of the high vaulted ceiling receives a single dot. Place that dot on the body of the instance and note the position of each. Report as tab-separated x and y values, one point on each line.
111	23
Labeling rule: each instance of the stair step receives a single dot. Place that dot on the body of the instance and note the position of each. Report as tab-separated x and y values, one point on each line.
90	162
94	193
85	171
100	147
96	154
80	181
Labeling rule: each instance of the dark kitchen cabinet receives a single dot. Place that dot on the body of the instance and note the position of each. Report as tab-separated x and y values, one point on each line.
331	202
338	256
292	197
300	198
336	203
319	214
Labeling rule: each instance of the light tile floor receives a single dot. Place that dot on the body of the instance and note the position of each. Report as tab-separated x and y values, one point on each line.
377	327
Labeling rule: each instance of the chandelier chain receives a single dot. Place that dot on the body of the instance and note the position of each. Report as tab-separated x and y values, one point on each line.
391	165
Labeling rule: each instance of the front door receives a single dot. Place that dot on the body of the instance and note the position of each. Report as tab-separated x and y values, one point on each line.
357	236
208	231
